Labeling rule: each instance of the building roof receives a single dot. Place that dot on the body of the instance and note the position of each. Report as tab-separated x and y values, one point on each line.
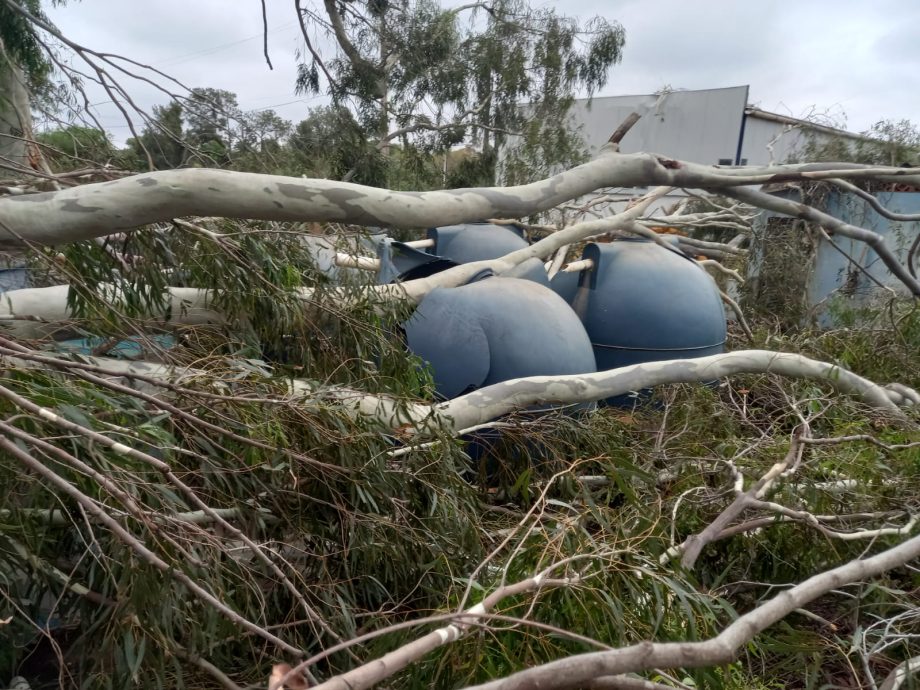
751	111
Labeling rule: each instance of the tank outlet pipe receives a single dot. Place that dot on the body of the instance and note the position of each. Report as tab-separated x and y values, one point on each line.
576	266
364	263
420	244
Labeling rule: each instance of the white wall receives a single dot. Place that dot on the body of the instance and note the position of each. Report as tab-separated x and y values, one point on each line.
699	126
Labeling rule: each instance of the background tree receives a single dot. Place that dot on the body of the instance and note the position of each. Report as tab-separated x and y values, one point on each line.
330	143
162	139
887	142
75	147
892	143
263	131
212	122
24	69
414	71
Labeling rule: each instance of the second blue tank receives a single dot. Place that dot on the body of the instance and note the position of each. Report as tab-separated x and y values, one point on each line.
642	302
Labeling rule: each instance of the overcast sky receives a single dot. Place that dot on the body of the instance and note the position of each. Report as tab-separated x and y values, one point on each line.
851	58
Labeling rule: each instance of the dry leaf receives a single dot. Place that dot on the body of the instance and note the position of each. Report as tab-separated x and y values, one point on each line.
295	682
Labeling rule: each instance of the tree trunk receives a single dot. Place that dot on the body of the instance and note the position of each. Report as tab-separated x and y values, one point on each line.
16	148
384	128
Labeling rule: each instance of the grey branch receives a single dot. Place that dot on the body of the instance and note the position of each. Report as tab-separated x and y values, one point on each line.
92	210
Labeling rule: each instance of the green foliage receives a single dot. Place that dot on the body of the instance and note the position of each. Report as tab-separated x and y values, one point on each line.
892	143
77	147
887	142
209	129
371	540
207	115
19	42
329	143
162	139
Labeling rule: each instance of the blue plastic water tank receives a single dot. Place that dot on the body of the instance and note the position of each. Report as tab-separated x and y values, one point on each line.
642	302
475	241
565	285
494	330
454	245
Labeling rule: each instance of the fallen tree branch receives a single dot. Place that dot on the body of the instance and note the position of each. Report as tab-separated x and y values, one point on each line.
873	201
693	545
34	312
78	213
491	402
731	273
901	673
391	663
502	398
132	542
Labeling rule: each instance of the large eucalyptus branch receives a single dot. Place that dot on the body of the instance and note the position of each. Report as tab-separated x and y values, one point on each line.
105	208
503	398
37	312
34	312
491	402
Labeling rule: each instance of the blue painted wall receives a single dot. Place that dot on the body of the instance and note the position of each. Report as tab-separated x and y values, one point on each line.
835	286
835	281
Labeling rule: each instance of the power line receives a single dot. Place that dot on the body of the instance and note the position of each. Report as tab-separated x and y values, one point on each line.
170	62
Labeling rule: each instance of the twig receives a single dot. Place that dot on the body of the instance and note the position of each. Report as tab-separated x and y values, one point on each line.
375	671
166	471
693	545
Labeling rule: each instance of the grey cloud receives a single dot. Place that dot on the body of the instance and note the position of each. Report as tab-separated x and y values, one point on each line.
827	54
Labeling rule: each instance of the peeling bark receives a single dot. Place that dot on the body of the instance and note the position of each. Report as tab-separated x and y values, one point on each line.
38	312
500	399
16	150
104	208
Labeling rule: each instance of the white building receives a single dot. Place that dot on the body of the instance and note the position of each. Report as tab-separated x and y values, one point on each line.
709	126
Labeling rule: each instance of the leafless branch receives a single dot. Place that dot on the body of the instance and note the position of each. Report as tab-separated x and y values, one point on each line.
265	36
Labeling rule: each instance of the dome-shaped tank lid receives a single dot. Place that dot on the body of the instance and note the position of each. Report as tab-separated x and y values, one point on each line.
475	241
496	329
640	295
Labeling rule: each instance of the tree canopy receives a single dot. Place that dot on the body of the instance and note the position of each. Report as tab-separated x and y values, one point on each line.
416	72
